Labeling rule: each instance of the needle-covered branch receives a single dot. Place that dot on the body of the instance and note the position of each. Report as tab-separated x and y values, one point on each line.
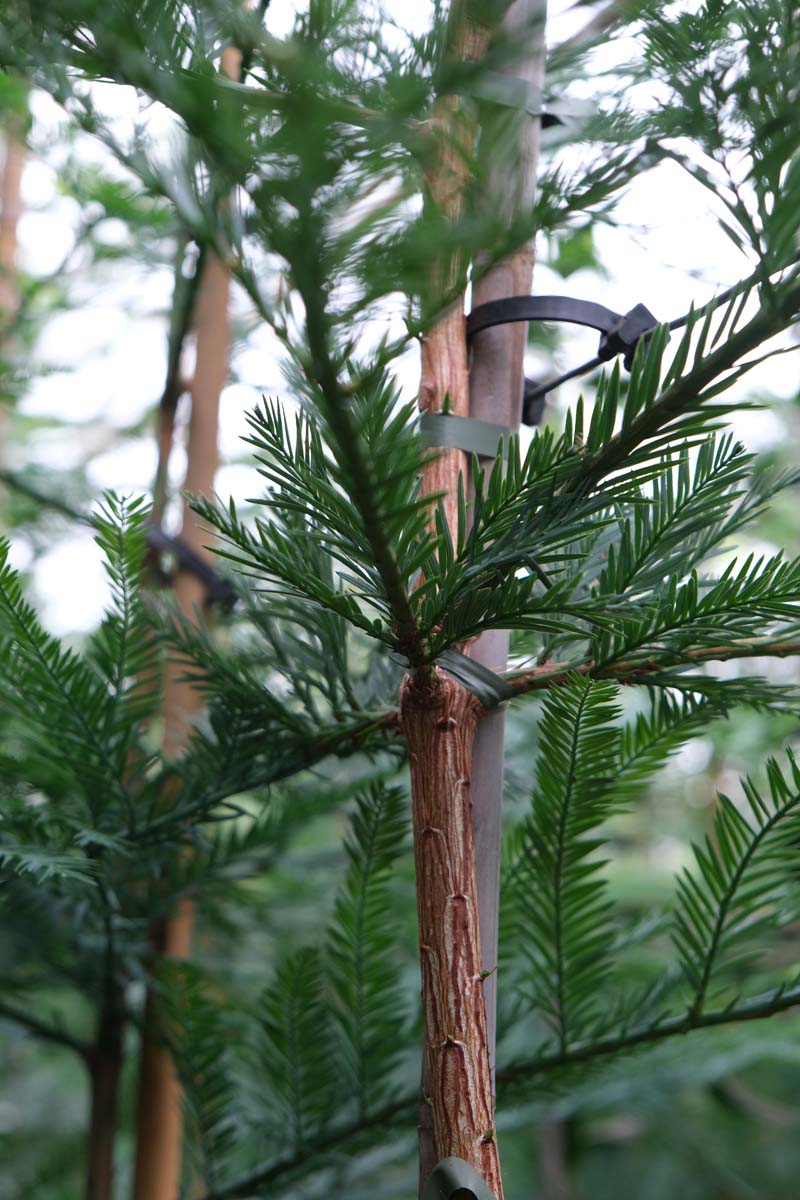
642	671
759	1008
518	1077
43	1030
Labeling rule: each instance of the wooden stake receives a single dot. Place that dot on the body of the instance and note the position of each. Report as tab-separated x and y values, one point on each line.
496	386
159	1116
10	209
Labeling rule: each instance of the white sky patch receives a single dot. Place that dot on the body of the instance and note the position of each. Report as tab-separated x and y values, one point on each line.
694	756
236	402
240	482
20	553
762	429
122	468
71	586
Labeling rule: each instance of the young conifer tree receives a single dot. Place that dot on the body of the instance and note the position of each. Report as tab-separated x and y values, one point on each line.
360	165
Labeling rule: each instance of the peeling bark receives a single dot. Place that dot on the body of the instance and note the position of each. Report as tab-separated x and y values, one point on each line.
439	718
444	368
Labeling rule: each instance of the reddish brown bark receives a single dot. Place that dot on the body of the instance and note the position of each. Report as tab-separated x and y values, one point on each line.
444	348
159	1117
444	381
10	208
10	205
439	718
444	376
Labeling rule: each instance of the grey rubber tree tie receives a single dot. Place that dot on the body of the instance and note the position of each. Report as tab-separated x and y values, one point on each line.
488	687
512	91
464	433
453	1175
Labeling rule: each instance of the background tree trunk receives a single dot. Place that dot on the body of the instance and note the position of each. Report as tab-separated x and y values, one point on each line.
10	210
159	1116
105	1068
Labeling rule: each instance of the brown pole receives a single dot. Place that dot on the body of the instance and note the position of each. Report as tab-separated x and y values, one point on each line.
159	1126
10	210
496	385
159	1119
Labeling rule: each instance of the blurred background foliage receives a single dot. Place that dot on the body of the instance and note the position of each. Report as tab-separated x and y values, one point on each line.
82	370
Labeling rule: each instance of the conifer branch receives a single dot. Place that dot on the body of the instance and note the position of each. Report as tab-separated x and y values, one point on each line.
351	454
549	674
759	1008
185	294
252	1185
332	740
24	487
43	1031
688	389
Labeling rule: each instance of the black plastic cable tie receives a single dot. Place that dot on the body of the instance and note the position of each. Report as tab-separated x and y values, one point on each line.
218	589
542	308
453	1176
626	334
487	686
533	398
464	433
620	333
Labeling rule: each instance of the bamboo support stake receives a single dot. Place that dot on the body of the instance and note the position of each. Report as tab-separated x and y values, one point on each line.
159	1115
496	387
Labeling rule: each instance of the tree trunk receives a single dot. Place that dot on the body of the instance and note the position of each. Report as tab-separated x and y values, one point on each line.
10	207
183	307
496	387
159	1117
497	381
439	718
444	376
105	1067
